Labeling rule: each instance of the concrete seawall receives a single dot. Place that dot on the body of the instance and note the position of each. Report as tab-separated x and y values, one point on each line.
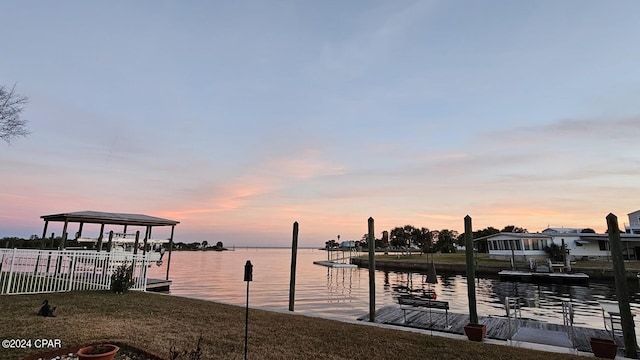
595	274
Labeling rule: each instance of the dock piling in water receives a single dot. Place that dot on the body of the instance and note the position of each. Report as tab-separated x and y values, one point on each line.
471	281
372	272
628	328
292	280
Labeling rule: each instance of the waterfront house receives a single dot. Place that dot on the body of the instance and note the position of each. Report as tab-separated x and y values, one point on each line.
634	223
351	244
580	244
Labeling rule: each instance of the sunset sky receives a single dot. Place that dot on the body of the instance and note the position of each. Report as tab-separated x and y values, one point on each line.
238	118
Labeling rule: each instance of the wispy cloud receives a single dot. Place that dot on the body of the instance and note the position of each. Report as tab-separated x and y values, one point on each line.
380	31
602	129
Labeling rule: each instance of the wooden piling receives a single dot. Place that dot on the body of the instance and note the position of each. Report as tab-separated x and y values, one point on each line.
372	272
292	279
63	241
110	243
471	273
43	243
100	237
170	250
628	328
136	243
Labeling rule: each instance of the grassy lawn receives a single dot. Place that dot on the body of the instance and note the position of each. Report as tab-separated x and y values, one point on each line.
154	322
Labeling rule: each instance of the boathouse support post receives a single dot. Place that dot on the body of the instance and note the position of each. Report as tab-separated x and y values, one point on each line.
170	248
628	329
471	274
105	265
372	271
49	257
63	240
43	240
294	254
110	243
135	251
147	236
135	243
100	237
79	233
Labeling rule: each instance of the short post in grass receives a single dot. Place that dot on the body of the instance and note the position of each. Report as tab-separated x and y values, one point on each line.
292	279
372	272
248	277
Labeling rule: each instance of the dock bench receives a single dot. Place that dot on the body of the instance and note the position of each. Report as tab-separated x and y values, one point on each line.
418	304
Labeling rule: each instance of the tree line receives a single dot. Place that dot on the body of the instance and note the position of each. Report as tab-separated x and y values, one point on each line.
424	239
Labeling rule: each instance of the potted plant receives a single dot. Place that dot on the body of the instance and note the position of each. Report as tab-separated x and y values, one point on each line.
474	330
98	352
603	348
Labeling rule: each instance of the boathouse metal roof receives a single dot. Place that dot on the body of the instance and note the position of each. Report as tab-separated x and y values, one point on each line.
109	218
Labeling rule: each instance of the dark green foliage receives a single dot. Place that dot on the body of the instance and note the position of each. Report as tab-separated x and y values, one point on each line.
446	241
409	235
122	279
331	244
555	252
513	229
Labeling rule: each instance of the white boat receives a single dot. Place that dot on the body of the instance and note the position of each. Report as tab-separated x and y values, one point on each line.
126	243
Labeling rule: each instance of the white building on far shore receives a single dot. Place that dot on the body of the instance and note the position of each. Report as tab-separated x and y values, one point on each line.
581	245
634	223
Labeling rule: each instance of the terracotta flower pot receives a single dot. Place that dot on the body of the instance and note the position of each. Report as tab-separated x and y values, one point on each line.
98	352
475	332
603	348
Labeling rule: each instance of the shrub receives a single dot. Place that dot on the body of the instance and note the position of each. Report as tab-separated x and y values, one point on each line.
122	278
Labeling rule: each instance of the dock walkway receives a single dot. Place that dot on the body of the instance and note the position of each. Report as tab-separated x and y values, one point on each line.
499	328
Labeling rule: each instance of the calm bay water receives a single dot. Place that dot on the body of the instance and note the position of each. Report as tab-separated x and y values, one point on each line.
344	293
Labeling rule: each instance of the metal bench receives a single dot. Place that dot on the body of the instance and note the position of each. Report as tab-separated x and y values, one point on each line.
418	304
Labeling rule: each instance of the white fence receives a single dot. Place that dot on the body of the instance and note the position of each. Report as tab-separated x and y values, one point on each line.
24	271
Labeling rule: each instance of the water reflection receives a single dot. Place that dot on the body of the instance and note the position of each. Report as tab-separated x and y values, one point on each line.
344	292
339	284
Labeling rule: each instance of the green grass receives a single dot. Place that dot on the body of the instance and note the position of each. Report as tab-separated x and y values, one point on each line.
154	322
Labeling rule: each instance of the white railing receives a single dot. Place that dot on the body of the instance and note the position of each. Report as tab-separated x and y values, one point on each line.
25	271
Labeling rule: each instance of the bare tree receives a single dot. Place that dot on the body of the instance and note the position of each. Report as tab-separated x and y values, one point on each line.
11	107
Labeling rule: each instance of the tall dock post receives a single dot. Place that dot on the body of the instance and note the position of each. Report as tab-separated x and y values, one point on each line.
292	280
372	272
471	274
628	329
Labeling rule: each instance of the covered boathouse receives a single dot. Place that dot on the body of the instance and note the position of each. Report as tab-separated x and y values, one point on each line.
127	222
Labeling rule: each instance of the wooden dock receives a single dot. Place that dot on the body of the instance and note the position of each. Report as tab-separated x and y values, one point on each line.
158	285
335	264
498	327
544	277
